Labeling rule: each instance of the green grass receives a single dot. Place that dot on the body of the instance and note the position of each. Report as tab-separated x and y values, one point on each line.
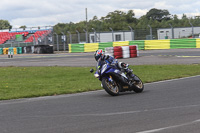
23	82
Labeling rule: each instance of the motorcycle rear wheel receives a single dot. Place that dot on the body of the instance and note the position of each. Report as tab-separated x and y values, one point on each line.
110	88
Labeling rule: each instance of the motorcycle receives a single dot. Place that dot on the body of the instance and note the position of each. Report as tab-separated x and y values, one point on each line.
115	81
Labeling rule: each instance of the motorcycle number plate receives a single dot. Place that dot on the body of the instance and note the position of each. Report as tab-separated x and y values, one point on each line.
125	87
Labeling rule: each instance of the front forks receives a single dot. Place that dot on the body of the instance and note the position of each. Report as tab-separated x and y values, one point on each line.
111	80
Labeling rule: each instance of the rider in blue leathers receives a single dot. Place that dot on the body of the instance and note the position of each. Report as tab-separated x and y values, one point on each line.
104	59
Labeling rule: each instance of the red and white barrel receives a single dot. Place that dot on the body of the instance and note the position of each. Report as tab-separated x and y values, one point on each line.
122	51
125	51
133	51
118	52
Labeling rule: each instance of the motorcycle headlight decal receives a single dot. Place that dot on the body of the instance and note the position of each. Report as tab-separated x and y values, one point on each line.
123	74
103	68
117	71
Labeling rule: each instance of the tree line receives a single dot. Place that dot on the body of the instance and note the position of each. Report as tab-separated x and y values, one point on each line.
120	20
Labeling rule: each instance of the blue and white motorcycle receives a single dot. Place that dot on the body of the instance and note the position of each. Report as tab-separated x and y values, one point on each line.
115	81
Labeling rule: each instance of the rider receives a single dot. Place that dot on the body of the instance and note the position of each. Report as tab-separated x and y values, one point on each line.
102	59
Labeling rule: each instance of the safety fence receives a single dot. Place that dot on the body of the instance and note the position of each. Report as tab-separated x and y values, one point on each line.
142	45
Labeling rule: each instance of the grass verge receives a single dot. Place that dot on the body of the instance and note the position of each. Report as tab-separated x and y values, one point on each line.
24	82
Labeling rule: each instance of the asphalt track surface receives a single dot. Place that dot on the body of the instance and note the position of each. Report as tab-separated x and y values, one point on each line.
168	107
171	106
173	56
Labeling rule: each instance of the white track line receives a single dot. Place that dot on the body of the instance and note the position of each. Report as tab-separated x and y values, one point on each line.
170	127
172	80
137	111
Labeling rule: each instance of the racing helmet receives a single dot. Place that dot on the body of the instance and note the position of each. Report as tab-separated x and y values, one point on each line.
98	54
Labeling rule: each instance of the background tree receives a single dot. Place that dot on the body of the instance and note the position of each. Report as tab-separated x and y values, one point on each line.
130	17
158	14
23	27
4	24
120	20
115	20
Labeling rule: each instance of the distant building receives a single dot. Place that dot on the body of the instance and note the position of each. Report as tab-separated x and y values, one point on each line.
183	32
111	36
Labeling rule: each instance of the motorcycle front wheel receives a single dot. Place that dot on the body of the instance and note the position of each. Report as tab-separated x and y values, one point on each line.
110	88
138	85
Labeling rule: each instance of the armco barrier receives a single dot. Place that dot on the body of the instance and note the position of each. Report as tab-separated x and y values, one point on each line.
197	43
139	43
157	44
76	48
182	43
142	45
124	43
90	47
103	46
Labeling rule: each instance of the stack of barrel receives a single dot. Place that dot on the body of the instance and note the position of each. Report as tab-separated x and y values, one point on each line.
122	51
